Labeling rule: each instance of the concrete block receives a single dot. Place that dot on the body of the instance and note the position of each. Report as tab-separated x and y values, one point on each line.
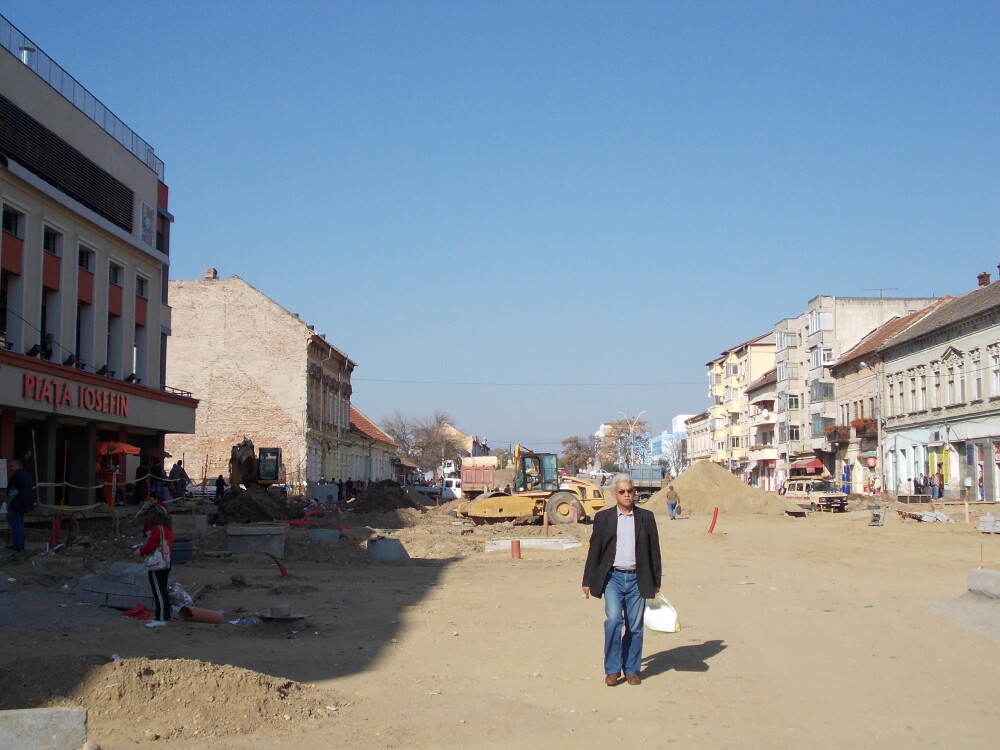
986	582
386	549
190	525
44	728
495	545
125	568
324	535
257	537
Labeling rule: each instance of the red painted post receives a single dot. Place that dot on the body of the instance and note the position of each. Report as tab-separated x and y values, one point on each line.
715	517
515	549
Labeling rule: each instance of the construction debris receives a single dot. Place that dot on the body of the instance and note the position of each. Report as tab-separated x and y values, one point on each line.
383	497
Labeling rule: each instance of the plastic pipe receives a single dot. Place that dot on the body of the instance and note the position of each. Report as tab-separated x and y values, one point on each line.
715	517
197	614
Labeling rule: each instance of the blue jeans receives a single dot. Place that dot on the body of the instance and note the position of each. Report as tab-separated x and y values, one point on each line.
16	523
623	607
672	508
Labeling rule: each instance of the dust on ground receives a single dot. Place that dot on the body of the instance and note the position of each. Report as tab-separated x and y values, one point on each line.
441	650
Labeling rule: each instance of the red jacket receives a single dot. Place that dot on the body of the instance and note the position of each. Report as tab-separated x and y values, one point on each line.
154	539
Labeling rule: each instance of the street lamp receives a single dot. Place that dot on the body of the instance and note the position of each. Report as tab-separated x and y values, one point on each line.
631	436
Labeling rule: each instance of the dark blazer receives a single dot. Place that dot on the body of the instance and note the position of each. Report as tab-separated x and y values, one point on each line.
601	557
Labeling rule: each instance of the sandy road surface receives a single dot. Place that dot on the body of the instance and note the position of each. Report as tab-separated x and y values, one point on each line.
821	632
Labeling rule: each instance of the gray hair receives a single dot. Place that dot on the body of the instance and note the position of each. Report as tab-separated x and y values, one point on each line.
620	478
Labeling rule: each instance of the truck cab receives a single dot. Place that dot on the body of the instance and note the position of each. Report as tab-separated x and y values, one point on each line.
451	488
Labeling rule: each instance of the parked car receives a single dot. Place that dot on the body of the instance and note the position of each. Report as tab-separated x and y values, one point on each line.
598	473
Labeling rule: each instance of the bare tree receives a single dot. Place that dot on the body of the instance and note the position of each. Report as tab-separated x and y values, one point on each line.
577	451
403	431
435	440
626	442
674	457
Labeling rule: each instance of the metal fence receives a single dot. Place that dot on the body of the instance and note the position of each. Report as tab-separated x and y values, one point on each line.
73	91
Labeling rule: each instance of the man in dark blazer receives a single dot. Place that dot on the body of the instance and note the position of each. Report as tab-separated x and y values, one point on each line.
623	565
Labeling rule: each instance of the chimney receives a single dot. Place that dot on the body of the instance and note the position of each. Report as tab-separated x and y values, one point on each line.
211	274
984	278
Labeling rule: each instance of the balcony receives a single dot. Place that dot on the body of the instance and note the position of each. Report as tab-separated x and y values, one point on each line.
837	434
763	452
865	428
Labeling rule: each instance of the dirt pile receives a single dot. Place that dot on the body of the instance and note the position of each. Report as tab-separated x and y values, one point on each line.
164	698
706	485
383	497
254	504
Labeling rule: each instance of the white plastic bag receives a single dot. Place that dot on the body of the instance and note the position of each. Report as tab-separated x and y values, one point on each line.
661	616
178	596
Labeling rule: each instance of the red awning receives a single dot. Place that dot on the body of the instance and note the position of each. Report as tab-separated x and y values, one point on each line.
809	463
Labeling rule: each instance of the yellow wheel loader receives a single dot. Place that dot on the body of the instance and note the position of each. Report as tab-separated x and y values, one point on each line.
538	491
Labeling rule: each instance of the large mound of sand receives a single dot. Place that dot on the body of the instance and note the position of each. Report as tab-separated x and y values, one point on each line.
165	698
706	485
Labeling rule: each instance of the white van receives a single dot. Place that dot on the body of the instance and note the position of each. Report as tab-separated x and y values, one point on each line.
451	488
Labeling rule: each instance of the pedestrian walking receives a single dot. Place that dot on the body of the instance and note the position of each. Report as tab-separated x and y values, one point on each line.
623	566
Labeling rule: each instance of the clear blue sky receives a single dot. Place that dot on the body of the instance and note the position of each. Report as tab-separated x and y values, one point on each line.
536	215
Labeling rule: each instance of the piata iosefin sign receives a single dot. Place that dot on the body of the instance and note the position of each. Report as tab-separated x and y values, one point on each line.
61	393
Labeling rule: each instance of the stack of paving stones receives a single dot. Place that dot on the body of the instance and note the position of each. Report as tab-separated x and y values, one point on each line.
989	523
123	586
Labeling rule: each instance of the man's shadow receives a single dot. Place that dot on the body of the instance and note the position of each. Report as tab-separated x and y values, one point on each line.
693	658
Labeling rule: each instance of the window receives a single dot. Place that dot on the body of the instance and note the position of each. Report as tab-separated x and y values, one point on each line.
85	259
819	425
793	432
781	371
52	242
950	393
936	399
13	222
787	340
979	383
913	394
923	392
115	274
961	383
793	401
820	321
820	391
819	357
141	287
995	367
892	398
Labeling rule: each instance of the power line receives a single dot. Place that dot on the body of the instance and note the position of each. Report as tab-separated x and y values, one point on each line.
525	385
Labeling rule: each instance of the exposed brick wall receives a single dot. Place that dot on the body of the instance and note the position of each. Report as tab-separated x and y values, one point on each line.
245	358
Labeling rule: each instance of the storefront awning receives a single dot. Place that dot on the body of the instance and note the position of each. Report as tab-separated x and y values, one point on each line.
750	467
809	463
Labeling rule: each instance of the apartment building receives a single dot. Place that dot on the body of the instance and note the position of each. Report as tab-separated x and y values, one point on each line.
263	373
84	317
940	393
728	377
762	454
806	348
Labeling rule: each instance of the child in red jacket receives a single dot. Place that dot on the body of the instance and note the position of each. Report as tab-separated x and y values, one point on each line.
159	521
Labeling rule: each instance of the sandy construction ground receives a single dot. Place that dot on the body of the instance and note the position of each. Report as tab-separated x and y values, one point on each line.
821	632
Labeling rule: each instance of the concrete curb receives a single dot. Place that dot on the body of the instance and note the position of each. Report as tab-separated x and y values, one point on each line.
985	582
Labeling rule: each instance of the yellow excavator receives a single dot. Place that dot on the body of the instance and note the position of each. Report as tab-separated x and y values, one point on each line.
248	466
538	491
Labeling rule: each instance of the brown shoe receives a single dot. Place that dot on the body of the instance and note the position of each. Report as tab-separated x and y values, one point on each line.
611	680
632	679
